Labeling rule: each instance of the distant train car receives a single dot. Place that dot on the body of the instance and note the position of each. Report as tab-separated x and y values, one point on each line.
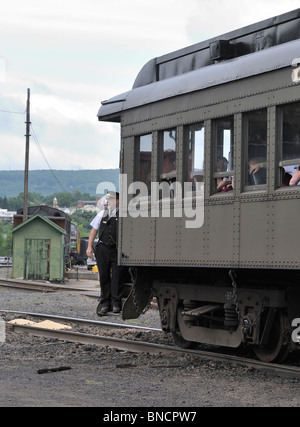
76	255
210	138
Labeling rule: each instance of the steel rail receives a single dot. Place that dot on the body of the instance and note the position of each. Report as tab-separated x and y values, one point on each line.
150	348
39	287
82	338
107	325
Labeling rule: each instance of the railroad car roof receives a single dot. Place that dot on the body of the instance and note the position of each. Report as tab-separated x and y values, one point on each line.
259	48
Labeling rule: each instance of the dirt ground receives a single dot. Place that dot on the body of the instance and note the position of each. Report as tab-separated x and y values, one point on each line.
111	379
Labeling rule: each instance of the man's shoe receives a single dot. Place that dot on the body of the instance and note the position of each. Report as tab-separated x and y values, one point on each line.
102	310
116	310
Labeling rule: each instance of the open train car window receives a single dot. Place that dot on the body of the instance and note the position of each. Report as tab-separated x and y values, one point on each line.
289	142
255	148
223	136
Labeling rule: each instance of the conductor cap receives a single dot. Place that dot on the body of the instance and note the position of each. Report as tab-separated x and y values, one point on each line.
112	195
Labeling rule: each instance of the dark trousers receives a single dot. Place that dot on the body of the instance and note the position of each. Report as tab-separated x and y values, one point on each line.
109	275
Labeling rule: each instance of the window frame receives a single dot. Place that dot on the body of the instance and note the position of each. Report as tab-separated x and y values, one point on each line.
245	152
137	160
215	175
282	163
189	174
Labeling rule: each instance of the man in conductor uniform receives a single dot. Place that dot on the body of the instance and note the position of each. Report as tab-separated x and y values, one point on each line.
106	223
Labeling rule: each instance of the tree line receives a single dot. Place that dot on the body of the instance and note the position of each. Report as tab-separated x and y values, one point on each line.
49	182
35	199
5	238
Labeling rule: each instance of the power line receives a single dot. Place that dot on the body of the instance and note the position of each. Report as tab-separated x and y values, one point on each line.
35	138
12	112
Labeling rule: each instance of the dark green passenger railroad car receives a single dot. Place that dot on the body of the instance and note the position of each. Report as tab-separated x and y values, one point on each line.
210	153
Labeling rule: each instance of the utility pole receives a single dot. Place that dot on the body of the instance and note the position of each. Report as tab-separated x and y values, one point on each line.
26	156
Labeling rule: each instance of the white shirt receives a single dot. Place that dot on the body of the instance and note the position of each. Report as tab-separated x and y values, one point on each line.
97	220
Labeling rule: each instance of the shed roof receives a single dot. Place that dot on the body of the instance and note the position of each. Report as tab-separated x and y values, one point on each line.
43	218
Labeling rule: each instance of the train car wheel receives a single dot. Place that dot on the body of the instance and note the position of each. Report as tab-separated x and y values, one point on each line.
182	343
277	348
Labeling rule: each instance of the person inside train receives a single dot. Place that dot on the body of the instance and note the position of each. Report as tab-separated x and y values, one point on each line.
257	171
226	183
255	167
295	178
285	177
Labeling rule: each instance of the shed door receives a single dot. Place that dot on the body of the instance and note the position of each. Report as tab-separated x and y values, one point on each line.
37	259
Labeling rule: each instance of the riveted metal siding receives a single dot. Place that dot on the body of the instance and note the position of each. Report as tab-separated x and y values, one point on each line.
242	229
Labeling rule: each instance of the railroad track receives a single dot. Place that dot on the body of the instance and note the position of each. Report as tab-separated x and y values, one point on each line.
139	346
38	286
87	322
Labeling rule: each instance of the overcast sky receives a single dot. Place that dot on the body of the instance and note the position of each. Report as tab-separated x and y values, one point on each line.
75	54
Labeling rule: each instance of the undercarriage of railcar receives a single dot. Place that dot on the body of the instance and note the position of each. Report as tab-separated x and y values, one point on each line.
222	307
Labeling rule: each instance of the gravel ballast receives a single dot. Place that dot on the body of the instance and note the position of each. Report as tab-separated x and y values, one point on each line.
107	378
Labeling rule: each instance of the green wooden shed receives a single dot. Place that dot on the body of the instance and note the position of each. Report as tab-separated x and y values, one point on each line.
38	250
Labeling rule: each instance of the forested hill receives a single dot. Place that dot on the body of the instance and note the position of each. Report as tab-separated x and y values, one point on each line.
46	182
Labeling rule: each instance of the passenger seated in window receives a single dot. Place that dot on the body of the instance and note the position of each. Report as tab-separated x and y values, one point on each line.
295	178
285	177
255	167
225	185
257	171
169	163
221	166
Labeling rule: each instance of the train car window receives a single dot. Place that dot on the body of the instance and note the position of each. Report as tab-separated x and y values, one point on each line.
223	131
144	163
194	139
169	151
289	165
167	165
256	147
